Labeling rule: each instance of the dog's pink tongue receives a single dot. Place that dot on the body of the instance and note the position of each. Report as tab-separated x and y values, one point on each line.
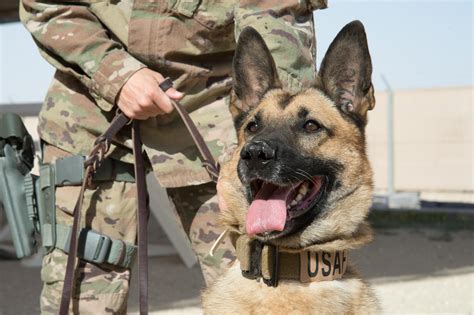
268	210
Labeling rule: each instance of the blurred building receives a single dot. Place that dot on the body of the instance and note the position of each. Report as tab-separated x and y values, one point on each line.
433	142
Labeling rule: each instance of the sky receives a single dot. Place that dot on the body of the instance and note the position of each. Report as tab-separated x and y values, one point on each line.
414	44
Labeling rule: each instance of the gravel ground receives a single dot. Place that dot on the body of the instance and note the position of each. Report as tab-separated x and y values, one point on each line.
413	271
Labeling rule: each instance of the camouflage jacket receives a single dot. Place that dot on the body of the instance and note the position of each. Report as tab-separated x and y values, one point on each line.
96	45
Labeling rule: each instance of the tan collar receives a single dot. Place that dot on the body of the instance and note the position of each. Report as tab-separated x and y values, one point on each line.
271	264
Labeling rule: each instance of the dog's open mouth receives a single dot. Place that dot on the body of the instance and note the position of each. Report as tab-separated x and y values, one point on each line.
279	210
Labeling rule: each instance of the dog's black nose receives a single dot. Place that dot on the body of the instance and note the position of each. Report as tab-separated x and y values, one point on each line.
258	153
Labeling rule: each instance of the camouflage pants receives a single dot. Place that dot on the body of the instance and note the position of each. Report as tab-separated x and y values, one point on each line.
110	208
198	210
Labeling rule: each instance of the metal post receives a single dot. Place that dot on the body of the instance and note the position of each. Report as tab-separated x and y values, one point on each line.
390	157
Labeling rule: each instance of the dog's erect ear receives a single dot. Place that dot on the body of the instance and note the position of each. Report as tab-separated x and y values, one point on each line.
254	72
346	71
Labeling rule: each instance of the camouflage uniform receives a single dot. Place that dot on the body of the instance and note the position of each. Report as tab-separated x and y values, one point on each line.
96	45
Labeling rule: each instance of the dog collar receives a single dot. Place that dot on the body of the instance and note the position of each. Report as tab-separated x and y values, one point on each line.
271	264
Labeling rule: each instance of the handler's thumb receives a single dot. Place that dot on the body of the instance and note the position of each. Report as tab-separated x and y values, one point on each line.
174	94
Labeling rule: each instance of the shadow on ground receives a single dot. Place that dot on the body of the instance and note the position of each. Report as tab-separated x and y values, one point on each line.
406	247
415	245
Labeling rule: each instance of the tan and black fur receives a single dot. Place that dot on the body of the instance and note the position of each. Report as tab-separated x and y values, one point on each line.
318	131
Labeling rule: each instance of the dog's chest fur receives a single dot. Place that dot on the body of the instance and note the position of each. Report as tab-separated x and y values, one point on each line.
349	295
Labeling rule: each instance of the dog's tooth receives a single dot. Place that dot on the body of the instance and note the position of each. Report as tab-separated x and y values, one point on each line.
293	203
303	189
299	197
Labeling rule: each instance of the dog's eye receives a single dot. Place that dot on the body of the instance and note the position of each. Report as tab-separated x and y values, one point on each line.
252	127
311	126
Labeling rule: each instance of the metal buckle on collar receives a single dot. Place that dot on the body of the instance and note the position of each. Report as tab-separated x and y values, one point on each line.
94	247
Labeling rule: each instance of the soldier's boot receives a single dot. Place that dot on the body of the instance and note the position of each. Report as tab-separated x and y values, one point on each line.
198	210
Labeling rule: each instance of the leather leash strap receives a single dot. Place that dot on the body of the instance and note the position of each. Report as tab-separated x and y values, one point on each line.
207	159
92	164
143	212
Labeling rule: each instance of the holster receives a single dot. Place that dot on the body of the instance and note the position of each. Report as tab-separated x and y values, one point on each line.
29	200
16	160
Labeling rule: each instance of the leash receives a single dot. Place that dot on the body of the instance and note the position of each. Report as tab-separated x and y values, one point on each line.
93	163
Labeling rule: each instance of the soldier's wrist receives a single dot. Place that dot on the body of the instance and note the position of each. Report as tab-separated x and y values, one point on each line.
113	72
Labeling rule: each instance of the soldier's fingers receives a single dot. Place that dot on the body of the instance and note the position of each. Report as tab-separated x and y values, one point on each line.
145	103
142	117
171	92
174	94
162	101
158	77
147	112
133	114
139	115
142	113
143	108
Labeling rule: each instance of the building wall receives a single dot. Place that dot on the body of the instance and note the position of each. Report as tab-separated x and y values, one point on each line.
433	140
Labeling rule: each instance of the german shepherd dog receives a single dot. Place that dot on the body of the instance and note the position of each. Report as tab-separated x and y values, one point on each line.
298	187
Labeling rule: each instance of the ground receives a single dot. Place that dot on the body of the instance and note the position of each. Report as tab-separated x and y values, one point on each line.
417	265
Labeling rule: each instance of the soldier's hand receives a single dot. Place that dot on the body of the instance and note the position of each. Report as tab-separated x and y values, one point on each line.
141	97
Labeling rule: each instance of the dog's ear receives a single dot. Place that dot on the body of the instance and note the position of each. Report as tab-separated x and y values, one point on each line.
346	71
254	73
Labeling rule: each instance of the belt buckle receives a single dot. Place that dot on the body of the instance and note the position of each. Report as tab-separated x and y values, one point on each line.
96	247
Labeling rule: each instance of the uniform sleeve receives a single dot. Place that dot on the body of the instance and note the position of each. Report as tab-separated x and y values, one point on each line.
288	30
73	40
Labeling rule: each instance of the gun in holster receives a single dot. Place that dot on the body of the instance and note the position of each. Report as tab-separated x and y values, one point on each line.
16	161
27	199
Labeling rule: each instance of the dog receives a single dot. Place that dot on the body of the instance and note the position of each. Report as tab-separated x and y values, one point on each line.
298	187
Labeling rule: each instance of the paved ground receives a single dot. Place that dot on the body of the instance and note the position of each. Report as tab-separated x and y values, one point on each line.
414	270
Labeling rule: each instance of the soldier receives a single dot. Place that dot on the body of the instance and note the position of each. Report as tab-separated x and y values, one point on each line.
113	54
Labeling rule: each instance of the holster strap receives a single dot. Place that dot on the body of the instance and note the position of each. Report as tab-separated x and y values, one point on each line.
96	248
